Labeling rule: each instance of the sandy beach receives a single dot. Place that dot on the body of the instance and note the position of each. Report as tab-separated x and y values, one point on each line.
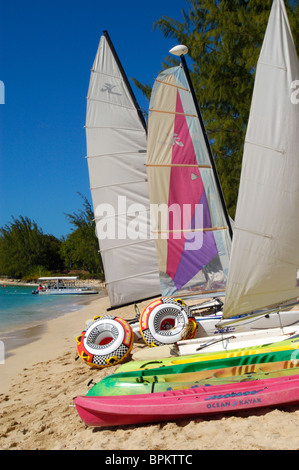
39	380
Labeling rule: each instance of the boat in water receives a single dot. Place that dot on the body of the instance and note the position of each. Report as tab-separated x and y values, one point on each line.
62	285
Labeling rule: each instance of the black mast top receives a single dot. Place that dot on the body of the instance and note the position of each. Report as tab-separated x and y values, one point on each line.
105	33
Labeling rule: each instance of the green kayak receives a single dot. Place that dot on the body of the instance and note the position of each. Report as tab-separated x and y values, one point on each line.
236	369
113	385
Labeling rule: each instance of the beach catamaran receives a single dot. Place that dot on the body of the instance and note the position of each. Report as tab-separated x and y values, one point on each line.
194	258
260	273
263	274
116	152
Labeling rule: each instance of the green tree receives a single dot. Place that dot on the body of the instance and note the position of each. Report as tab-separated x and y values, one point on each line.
80	249
24	248
224	38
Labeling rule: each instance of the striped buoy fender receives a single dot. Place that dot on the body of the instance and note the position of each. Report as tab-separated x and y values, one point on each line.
106	341
167	321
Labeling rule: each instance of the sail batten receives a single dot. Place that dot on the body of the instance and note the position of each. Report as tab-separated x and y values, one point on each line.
265	253
133	276
208	229
107	102
116	155
173	84
123	183
256	144
178	165
172	112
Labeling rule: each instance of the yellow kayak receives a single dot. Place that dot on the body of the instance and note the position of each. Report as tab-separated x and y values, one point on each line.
175	360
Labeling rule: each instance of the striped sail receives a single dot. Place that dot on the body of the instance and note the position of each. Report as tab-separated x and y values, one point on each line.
116	153
264	266
189	222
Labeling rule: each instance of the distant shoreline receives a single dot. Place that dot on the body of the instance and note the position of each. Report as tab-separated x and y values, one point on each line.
18	282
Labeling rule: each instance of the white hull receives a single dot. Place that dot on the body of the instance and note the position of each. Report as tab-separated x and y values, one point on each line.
238	340
207	324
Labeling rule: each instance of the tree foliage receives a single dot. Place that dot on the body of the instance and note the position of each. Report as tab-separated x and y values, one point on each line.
24	247
224	38
26	252
80	248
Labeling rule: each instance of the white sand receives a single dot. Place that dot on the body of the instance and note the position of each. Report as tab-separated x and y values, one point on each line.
39	381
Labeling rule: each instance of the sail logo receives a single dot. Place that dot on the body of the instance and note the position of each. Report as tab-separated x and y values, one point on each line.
172	140
295	94
176	140
109	88
2	92
137	222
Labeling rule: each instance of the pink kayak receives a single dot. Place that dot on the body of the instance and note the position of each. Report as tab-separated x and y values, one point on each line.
189	403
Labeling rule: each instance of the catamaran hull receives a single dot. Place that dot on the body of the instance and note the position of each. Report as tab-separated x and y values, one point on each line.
218	343
228	342
207	325
191	403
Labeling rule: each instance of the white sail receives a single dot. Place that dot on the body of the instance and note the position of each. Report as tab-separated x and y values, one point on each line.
264	261
116	153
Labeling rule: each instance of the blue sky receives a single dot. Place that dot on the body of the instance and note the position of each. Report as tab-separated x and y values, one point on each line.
47	49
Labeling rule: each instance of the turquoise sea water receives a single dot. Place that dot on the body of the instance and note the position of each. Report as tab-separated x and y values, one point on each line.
19	308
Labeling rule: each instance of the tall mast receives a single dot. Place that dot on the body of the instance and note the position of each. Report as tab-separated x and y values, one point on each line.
185	68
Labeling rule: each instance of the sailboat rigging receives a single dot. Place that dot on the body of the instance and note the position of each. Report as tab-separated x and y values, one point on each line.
263	269
180	171
211	158
116	150
265	253
193	238
190	253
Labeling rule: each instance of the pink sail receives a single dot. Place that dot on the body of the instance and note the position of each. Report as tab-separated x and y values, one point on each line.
193	246
182	263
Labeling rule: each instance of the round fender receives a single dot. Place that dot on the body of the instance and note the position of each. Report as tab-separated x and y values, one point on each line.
167	321
106	341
